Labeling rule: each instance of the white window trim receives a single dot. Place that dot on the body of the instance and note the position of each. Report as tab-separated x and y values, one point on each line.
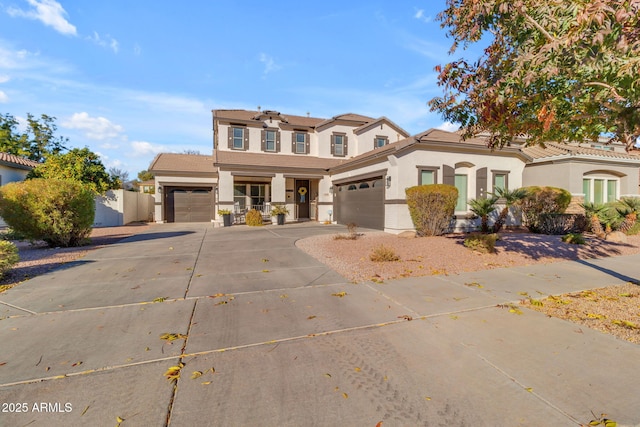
592	178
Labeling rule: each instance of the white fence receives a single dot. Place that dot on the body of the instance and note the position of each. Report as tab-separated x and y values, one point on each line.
119	207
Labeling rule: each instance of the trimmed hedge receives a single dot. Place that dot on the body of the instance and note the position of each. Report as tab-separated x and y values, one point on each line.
8	256
59	212
541	201
431	208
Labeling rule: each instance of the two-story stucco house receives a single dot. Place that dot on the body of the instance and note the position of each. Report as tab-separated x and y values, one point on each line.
355	169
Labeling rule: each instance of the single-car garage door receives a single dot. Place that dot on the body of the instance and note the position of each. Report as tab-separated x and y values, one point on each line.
184	204
361	203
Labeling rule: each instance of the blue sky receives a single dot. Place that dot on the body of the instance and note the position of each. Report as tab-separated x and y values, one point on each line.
130	79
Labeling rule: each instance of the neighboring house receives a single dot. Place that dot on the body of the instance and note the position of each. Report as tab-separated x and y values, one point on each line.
13	169
148	187
353	168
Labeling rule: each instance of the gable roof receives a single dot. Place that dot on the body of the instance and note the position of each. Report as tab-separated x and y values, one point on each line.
17	162
165	163
365	127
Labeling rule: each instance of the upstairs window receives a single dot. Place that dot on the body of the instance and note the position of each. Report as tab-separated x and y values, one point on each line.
270	140
300	143
339	147
380	141
238	138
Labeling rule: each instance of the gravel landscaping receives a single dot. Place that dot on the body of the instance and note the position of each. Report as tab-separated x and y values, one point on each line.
612	309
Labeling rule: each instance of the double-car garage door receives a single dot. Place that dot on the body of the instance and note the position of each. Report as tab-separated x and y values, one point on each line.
360	202
188	204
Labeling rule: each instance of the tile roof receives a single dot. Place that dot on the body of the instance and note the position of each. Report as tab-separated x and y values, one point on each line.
18	161
250	116
172	162
553	149
273	160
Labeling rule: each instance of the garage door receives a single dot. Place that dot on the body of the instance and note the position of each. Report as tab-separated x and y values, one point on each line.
188	204
361	203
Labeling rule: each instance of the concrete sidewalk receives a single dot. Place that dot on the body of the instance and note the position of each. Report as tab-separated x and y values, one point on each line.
282	340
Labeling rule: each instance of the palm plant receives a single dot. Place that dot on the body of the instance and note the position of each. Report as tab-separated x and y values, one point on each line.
629	208
483	208
593	212
510	197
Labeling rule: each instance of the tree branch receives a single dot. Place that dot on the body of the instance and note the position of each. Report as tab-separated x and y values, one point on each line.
616	95
535	24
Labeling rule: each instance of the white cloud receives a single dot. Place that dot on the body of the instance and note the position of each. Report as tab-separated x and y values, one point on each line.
422	17
106	41
4	79
98	128
49	12
449	127
269	63
143	148
4	98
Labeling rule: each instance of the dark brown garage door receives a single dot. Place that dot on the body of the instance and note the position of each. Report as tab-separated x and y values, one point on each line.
361	203
188	204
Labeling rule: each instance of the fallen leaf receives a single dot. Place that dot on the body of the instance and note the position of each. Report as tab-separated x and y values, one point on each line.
357	369
173	373
427	398
339	294
77	364
406	316
345	395
206	383
265	271
379	424
327	375
172	337
196	374
3	363
160	299
283	296
265	260
529	389
311	317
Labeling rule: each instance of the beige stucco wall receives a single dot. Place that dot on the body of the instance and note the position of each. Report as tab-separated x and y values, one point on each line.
119	207
568	174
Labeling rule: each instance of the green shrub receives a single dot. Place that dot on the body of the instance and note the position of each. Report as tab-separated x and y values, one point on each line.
383	254
8	256
431	208
59	212
635	229
574	238
484	243
541	201
254	218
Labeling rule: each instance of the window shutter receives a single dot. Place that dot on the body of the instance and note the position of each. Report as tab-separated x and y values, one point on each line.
333	145
481	183
230	133
293	142
277	141
307	142
448	175
345	150
263	144
246	138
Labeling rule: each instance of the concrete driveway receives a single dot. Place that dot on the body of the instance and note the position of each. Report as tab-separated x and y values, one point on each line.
269	336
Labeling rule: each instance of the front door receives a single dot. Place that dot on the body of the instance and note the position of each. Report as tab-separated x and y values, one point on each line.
302	198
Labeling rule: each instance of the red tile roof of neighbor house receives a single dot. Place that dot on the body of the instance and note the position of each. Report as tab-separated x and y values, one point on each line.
172	162
18	161
248	159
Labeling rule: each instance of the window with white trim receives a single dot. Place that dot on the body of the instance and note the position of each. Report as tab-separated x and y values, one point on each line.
338	148
238	138
461	182
301	143
270	140
600	190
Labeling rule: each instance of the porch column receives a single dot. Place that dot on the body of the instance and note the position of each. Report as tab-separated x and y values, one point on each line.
225	191
278	189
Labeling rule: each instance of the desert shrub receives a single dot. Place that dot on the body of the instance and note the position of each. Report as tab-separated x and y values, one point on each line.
635	229
383	254
431	208
59	212
574	238
484	243
554	223
540	201
8	256
11	234
254	218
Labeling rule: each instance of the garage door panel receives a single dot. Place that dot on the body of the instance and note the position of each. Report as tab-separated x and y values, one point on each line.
361	203
189	204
